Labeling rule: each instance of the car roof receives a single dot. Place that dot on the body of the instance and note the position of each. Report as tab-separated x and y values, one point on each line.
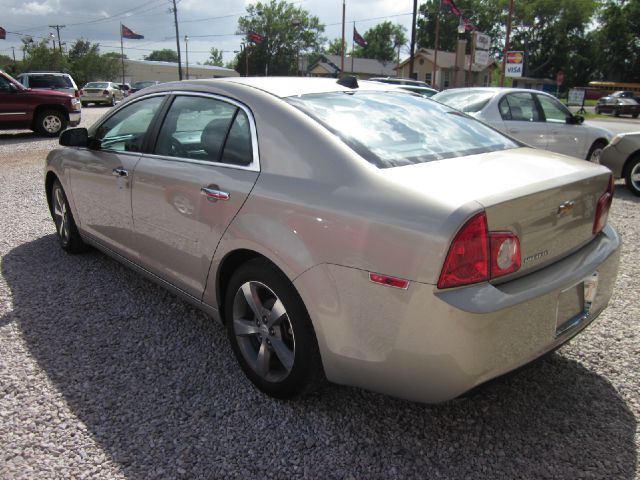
495	90
296	86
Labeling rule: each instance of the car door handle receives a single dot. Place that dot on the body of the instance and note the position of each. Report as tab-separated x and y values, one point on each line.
214	194
513	130
120	172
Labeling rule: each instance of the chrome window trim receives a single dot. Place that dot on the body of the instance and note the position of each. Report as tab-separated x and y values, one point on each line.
254	166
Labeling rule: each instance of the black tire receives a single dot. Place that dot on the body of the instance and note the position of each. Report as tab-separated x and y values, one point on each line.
635	115
632	169
50	123
616	112
597	110
272	337
84	104
66	229
595	151
112	102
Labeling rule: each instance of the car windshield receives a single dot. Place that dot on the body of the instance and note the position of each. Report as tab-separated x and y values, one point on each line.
49	81
97	85
391	129
469	101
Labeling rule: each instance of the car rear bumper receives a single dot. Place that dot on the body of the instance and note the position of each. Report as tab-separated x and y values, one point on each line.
427	345
88	98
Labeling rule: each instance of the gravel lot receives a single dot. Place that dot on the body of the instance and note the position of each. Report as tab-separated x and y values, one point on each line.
106	375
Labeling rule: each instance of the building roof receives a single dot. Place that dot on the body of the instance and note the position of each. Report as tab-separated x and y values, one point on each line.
368	66
446	60
213	68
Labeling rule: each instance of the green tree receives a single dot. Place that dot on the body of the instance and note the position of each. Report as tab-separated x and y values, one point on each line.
383	41
334	47
289	32
215	58
164	55
42	56
617	43
487	16
86	64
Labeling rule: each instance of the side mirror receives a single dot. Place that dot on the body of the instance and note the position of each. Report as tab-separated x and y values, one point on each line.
75	137
575	120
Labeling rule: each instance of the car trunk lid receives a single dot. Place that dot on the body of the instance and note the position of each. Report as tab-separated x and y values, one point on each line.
549	201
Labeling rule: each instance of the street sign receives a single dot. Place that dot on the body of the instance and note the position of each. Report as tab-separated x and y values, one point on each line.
483	42
481	57
576	96
514	65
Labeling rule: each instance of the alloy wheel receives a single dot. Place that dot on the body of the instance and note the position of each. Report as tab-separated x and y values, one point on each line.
61	215
263	331
51	123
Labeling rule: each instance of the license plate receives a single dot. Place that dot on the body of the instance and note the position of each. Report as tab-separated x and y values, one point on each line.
574	304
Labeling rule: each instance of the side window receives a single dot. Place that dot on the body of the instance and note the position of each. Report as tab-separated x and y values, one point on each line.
4	85
519	107
205	129
554	111
126	130
237	149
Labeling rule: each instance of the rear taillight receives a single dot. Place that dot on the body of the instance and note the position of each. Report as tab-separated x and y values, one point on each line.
505	253
477	255
105	92
602	208
468	258
77	93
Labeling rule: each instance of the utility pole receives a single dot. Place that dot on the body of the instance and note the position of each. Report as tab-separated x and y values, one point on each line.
506	43
186	52
342	47
13	49
413	37
175	19
58	27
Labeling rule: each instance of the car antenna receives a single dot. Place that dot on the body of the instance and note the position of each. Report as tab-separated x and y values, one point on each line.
348	81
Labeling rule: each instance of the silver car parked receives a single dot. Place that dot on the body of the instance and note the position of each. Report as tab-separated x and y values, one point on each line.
533	117
343	231
107	93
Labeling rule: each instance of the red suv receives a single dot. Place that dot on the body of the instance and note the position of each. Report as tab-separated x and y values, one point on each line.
47	112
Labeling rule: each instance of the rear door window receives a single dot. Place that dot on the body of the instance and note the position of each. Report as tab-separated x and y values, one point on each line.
519	106
206	129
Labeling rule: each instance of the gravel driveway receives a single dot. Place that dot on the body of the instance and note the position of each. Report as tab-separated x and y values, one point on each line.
106	375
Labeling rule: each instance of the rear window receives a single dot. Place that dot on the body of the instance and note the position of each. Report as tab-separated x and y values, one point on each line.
49	81
391	129
97	85
469	101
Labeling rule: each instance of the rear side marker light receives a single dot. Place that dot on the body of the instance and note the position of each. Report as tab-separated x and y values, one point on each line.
602	208
389	281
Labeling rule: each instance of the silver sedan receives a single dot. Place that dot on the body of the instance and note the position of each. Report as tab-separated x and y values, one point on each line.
533	117
107	93
343	231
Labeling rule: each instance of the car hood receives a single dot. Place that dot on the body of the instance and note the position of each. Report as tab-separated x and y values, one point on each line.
49	93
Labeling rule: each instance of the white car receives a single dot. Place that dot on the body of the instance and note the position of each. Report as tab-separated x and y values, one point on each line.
531	116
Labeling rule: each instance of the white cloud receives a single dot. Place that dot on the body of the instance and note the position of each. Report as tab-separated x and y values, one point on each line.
35	8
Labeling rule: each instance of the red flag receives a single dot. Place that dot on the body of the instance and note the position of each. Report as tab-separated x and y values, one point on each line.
468	26
3	34
455	10
128	33
358	38
255	38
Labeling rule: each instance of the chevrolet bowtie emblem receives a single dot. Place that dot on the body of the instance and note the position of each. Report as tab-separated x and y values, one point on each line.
565	208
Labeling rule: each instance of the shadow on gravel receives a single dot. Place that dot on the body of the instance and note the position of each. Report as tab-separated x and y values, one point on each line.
20	137
155	384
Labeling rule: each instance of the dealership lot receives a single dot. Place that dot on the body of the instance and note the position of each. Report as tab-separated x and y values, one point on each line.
106	375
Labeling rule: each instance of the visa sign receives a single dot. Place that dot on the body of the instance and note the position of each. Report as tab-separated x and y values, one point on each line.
514	64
